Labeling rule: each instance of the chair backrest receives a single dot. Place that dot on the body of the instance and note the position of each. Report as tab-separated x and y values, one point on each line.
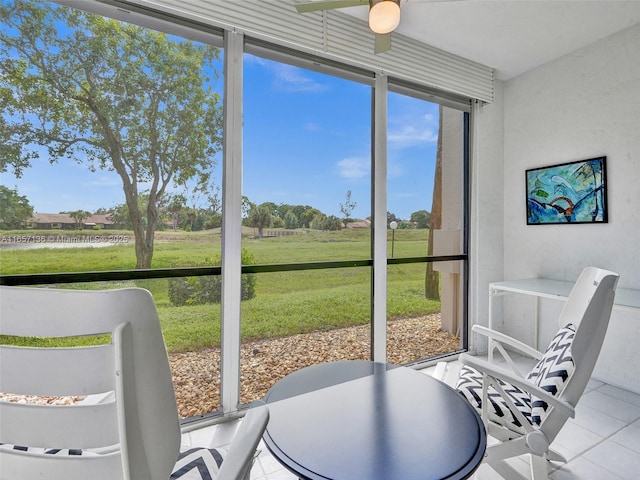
137	431
588	308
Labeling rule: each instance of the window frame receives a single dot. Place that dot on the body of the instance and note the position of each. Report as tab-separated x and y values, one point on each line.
236	44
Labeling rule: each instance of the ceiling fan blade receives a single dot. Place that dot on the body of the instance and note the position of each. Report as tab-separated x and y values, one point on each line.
328	5
383	43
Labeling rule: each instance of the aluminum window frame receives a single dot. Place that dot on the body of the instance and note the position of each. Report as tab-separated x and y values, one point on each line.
236	44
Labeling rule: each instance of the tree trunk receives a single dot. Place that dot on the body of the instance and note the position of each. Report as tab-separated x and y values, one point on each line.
432	278
144	254
144	238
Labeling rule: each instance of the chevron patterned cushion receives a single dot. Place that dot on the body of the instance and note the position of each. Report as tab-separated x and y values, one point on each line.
193	464
47	451
470	385
198	464
553	370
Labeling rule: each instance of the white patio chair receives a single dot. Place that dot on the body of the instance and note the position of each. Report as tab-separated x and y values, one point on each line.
526	413
133	434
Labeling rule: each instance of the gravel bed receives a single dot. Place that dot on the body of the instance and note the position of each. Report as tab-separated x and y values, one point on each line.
197	379
196	374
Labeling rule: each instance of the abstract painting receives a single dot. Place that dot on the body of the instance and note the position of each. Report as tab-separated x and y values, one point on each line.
574	192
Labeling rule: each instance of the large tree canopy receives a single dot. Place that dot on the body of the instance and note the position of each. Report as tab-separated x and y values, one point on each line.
110	95
15	209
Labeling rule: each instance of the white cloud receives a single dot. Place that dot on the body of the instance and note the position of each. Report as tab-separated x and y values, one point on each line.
290	78
287	77
411	135
411	130
354	168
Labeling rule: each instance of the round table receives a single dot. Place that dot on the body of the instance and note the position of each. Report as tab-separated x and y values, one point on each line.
359	420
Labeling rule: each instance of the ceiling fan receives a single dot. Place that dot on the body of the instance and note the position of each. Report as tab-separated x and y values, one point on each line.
384	16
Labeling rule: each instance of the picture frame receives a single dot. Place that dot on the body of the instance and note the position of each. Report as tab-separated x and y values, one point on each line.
573	192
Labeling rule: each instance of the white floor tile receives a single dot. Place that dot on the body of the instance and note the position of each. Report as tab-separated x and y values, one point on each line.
612	406
593	384
575	440
615	458
629	437
596	421
621	394
269	464
282	475
221	435
581	469
485	472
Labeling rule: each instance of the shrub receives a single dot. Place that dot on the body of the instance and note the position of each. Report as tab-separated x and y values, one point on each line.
181	290
290	220
208	289
332	223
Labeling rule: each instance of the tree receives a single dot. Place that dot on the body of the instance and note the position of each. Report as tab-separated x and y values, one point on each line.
421	218
307	216
318	221
290	220
260	217
15	210
247	206
331	223
114	96
174	207
79	216
432	278
347	207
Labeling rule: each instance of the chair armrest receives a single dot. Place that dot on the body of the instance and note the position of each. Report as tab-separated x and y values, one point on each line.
237	464
507	340
495	371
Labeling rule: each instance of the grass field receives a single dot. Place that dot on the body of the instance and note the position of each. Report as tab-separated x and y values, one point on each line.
285	303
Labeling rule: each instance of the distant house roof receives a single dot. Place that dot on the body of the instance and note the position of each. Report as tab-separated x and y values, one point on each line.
360	224
65	218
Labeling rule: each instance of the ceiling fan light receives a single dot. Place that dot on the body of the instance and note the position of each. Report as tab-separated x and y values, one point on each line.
384	15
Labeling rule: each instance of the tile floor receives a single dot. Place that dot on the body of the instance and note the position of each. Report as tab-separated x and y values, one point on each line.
601	443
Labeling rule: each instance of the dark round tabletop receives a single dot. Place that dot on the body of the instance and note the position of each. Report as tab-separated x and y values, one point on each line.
358	420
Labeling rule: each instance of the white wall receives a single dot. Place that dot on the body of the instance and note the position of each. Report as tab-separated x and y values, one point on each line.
584	105
487	208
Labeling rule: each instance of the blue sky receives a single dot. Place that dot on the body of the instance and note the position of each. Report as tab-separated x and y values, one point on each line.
306	141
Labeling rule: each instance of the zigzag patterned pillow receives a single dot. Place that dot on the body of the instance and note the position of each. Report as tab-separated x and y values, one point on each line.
193	464
47	451
197	464
552	371
470	385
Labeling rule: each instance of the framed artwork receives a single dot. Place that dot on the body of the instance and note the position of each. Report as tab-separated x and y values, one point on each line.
574	192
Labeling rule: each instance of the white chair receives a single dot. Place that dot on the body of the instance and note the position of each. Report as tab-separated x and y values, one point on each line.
526	413
135	433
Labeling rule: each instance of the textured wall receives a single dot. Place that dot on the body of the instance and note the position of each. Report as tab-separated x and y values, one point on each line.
581	106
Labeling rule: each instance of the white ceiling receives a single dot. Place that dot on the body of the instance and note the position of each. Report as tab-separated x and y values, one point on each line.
512	36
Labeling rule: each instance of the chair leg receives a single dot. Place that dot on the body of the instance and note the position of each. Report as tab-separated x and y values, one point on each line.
502	451
554	456
506	471
539	467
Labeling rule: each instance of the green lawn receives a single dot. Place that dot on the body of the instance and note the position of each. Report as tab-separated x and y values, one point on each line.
285	303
